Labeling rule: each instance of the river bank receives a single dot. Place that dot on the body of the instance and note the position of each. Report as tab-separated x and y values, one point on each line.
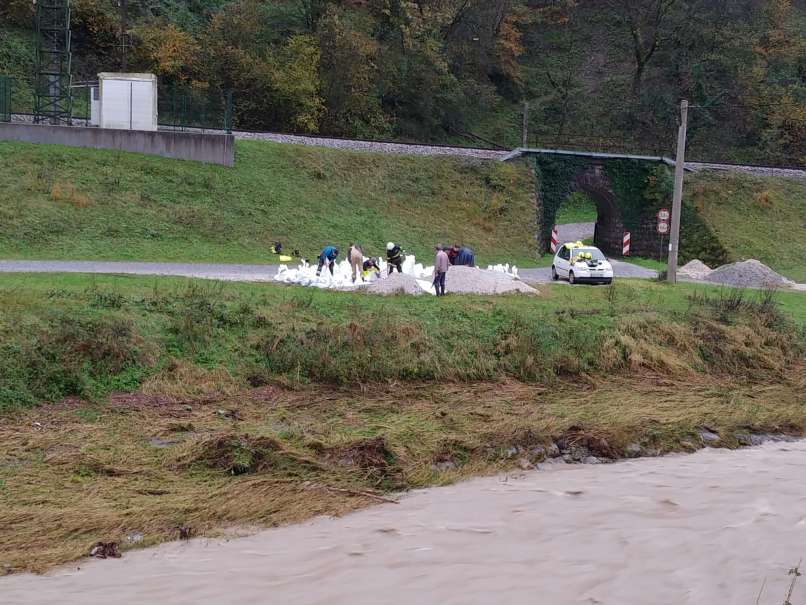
715	526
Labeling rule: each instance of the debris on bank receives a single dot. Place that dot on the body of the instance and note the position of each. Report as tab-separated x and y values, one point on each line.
104	550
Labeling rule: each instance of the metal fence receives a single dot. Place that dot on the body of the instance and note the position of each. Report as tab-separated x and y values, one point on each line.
182	108
6	84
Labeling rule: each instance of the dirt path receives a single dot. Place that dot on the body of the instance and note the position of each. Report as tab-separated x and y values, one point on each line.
707	528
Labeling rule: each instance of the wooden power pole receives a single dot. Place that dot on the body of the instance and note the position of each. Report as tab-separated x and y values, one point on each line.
525	132
124	28
677	202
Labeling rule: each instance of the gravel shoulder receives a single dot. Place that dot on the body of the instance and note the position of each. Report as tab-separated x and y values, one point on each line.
254	273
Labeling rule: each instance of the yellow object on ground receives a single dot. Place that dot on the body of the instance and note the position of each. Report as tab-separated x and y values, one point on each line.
285	259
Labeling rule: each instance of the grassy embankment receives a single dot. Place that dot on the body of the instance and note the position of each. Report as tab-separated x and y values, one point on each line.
63	203
761	218
243	405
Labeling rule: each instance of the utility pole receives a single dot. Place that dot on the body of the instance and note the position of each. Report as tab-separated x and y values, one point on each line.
525	124
124	27
677	202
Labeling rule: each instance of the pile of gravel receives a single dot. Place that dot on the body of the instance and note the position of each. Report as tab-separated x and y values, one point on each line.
397	283
695	269
748	274
472	280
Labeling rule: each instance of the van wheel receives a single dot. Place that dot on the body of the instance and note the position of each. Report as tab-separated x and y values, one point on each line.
571	278
554	275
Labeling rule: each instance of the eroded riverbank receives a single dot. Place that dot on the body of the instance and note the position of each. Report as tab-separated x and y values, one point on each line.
711	527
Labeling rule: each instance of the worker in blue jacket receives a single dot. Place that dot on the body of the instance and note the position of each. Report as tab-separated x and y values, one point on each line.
327	258
462	256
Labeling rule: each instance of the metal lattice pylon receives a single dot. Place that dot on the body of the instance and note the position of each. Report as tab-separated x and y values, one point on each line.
54	100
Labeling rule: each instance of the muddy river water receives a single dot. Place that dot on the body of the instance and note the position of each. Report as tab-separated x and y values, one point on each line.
713	527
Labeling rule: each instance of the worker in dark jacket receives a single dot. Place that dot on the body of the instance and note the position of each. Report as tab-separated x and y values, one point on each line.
394	257
462	256
327	258
371	266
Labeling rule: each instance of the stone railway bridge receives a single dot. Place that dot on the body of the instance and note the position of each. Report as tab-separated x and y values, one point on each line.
620	208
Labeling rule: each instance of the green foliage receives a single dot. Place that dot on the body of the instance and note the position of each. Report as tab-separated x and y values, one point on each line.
57	343
17	61
630	180
596	74
555	176
65	354
578	208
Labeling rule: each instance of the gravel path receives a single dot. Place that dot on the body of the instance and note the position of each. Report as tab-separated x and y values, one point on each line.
787	173
245	273
376	146
573	232
620	269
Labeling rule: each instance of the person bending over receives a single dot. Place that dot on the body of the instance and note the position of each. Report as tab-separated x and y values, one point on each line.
327	259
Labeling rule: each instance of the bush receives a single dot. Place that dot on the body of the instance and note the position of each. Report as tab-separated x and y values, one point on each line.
85	357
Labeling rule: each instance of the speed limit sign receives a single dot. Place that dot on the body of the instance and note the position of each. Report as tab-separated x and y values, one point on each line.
663	227
664	215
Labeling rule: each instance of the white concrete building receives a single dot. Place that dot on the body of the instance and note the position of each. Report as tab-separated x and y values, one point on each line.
125	101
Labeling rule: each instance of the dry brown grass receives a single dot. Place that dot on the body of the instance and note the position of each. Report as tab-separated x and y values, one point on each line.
74	473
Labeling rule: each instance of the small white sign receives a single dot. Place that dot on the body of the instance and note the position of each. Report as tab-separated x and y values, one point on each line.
664	214
663	227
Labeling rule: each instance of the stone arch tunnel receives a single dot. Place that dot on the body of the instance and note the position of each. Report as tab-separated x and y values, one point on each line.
625	205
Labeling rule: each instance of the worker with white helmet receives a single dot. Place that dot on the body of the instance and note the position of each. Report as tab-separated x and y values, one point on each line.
394	257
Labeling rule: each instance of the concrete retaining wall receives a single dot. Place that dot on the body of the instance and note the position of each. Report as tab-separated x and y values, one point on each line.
210	148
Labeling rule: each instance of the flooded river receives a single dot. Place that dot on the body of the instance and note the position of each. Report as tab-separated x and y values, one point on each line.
708	528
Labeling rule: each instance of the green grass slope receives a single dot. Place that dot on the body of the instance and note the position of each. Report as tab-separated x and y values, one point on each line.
762	218
64	203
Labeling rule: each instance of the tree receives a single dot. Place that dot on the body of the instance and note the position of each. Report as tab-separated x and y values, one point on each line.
649	24
348	72
165	50
296	82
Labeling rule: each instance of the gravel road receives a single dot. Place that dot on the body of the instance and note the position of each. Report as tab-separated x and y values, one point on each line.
245	273
572	232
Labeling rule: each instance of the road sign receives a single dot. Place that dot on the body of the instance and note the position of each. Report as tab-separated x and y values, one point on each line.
625	248
663	227
664	215
555	236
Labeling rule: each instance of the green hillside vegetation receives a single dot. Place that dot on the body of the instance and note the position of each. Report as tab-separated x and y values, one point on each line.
762	218
600	73
63	203
66	203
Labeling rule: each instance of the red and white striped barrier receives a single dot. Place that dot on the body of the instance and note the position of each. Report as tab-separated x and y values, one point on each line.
625	248
555	238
